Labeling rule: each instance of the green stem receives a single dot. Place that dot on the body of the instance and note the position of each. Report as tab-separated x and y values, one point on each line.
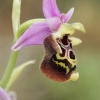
10	67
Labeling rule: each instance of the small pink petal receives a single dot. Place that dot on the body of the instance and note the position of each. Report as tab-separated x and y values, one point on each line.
66	17
13	95
50	8
34	35
53	23
4	95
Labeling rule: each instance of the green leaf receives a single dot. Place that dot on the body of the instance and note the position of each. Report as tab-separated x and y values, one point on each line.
16	16
23	27
16	73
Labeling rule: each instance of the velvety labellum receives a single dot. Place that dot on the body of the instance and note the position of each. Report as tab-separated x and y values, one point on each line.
59	61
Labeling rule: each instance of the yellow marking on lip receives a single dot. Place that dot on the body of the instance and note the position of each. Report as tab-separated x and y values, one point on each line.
59	57
62	65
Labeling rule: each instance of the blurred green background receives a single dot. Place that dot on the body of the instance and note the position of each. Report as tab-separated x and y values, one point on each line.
32	84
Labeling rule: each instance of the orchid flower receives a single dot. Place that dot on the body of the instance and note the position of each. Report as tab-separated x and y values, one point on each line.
4	95
11	95
59	63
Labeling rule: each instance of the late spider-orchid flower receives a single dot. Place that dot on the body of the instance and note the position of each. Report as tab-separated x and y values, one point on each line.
4	95
59	62
10	95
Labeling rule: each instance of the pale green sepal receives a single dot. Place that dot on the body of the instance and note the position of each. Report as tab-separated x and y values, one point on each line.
62	30
75	41
16	73
67	28
78	26
23	27
16	16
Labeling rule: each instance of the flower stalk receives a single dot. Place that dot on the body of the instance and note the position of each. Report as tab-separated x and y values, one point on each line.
10	67
14	55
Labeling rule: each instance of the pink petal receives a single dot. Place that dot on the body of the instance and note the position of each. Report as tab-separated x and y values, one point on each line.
4	95
34	35
50	9
13	95
66	17
53	23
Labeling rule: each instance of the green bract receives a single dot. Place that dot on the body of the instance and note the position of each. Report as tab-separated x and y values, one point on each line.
16	73
16	16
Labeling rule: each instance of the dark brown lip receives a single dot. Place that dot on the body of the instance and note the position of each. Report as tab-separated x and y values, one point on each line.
53	72
51	69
